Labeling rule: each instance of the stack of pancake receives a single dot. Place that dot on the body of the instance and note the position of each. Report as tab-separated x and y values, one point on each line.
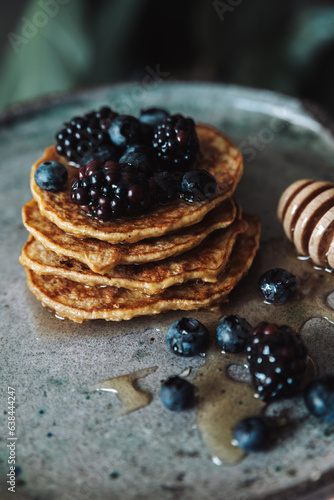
178	256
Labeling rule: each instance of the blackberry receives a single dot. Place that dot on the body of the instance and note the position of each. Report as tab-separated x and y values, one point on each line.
177	394
187	337
51	176
197	185
319	397
253	434
84	133
233	333
277	360
175	143
277	285
108	190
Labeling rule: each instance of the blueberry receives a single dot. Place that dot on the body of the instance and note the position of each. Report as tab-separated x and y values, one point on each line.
233	333
253	434
166	186
153	116
101	153
177	394
125	130
277	285
146	149
51	176
197	185
319	397
139	160
187	337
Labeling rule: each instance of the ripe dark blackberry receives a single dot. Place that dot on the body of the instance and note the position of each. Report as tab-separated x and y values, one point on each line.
175	143
84	133
277	360
108	190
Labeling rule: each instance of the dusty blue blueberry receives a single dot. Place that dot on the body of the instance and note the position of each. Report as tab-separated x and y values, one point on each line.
101	153
253	434
197	185
145	149
233	333
187	337
138	160
153	116
51	176
177	394
319	397
277	285
125	130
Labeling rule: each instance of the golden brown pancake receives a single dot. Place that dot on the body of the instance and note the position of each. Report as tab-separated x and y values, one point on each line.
79	302
218	155
204	262
101	257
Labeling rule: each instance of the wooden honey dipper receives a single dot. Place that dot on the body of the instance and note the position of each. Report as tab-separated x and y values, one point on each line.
306	210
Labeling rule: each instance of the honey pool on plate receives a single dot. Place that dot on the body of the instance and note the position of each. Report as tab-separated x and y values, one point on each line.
222	400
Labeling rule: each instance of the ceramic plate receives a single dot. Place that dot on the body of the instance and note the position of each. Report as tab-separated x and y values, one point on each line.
76	442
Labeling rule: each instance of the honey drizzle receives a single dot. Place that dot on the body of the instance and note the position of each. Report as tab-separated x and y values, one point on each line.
223	402
131	398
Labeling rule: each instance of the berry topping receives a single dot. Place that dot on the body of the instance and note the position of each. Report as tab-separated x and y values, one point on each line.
153	116
175	143
277	285
51	176
108	190
277	360
166	186
252	435
146	149
101	153
143	176
138	160
82	134
125	130
187	337
319	397
233	333
197	185
177	394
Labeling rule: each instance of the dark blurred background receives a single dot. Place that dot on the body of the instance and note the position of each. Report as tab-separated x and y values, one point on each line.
55	45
